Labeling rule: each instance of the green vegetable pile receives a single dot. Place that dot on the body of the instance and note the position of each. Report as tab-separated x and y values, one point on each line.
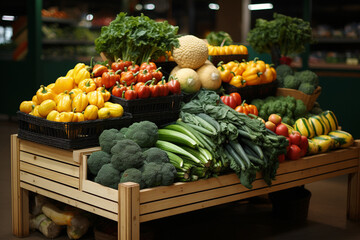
130	155
288	108
137	39
219	38
240	142
289	34
305	81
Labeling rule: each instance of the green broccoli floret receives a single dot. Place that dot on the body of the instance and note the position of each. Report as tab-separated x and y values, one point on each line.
291	82
156	155
300	109
107	137
97	160
144	133
308	76
306	88
316	110
258	103
108	176
132	175
155	174
280	80
291	103
283	70
126	154
288	120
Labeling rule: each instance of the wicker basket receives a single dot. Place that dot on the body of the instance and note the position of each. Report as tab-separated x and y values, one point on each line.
308	100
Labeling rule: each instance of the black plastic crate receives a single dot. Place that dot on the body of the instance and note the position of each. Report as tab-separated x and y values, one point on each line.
67	135
148	105
159	118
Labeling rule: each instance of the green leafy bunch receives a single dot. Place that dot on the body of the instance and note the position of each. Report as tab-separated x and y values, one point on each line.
289	34
137	39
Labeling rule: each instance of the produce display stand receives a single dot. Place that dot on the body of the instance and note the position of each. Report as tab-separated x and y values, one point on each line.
62	175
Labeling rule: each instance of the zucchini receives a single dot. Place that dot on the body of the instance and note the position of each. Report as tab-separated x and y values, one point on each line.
206	153
201	129
198	155
302	126
176	137
330	117
253	147
175	160
206	125
203	143
246	135
210	120
235	157
318	125
342	139
240	151
170	147
182	129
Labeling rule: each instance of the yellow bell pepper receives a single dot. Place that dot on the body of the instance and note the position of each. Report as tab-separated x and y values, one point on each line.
96	98
52	115
35	100
64	117
238	81
81	75
77	69
260	65
236	49
64	103
116	110
46	107
87	85
105	93
35	111
63	84
268	75
74	92
80	102
27	106
78	117
225	74
104	113
70	73
91	112
44	93
51	86
252	76
243	50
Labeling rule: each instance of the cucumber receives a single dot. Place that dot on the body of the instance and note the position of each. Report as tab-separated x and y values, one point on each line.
235	157
201	129
206	153
175	160
206	125
198	155
182	129
176	137
210	120
168	146
256	160
253	147
245	134
240	151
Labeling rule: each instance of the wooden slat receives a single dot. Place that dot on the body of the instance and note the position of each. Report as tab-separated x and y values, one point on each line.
68	191
50	164
45	173
47	151
70	201
78	154
19	197
236	197
153	194
233	189
353	197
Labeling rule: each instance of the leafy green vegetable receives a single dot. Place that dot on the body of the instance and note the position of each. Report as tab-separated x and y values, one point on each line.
290	34
219	38
136	39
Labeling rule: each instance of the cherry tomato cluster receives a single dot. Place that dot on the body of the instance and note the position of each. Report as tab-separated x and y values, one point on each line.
298	144
128	80
234	101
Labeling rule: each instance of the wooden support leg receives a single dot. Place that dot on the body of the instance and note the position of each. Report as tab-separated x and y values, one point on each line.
19	197
353	206
129	204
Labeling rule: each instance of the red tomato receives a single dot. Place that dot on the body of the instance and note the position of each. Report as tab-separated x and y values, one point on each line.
270	125
281	158
294	152
304	144
282	129
295	138
276	119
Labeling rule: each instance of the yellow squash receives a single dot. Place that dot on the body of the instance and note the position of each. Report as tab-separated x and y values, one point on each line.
325	143
303	127
342	139
330	119
116	110
313	148
104	113
318	125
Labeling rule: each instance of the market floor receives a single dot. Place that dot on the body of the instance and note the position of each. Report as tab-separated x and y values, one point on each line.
248	219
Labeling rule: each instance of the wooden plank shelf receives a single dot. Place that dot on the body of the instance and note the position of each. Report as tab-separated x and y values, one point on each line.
62	175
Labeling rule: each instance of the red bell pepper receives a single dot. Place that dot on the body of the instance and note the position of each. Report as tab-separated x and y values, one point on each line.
157	74
142	89
110	78
118	90
229	100
134	68
130	93
236	96
148	66
154	89
98	81
129	77
120	65
174	85
164	88
144	76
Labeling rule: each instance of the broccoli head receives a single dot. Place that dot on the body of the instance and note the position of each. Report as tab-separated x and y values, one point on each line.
156	155
107	137
97	160
306	88
126	154
132	175
283	70
308	76
108	176
155	174
144	133
300	109
258	103
291	82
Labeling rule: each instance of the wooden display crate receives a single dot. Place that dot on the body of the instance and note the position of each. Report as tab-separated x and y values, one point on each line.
62	175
